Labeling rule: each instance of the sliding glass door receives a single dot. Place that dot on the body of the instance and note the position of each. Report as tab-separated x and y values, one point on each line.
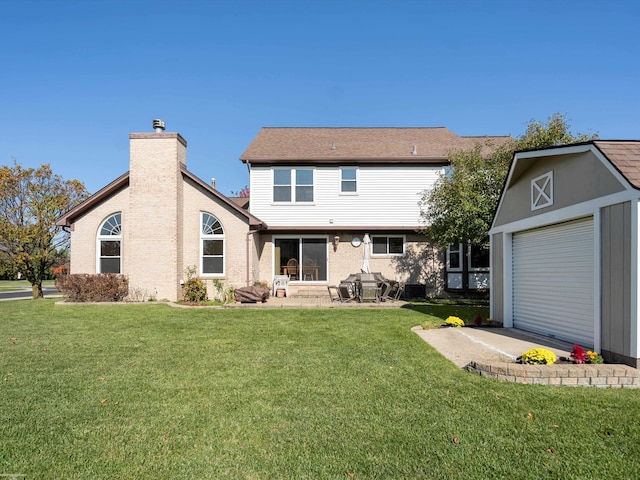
304	259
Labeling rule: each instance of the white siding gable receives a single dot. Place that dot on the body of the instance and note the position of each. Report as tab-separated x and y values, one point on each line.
387	196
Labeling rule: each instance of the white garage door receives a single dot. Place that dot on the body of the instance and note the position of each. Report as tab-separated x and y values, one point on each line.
553	281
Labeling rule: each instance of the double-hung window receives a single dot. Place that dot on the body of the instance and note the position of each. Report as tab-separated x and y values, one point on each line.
293	185
212	245
348	180
109	243
387	245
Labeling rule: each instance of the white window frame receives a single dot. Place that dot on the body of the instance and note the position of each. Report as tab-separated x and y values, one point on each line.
205	236
354	181
539	196
108	238
460	252
293	185
387	254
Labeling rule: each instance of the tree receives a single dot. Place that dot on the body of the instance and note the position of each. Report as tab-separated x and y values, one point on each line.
461	205
30	202
242	193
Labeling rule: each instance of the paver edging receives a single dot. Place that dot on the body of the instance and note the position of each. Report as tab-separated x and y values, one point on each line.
605	375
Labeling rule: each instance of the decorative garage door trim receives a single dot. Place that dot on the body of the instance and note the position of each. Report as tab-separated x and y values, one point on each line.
553	281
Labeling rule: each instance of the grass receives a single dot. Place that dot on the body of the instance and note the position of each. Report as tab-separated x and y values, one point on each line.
441	309
150	391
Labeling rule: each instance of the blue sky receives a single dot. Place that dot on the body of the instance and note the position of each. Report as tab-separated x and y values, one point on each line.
79	76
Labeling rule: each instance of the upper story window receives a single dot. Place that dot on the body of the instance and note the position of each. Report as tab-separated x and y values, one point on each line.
348	180
387	245
293	184
212	245
109	243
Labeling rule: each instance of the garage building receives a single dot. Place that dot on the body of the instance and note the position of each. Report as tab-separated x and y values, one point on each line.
565	246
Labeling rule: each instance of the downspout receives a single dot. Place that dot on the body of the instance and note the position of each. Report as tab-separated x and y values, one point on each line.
248	253
247	240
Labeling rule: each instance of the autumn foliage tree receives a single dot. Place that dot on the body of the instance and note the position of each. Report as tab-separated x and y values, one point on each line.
242	193
461	206
31	199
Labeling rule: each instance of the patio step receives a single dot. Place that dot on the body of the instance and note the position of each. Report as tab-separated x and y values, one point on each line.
308	291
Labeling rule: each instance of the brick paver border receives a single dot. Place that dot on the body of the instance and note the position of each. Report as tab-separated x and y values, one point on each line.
602	375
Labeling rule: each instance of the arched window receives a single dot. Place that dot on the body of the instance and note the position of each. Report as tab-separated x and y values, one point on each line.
211	245
109	244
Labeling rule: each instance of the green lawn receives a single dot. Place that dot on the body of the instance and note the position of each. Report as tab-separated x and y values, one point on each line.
150	391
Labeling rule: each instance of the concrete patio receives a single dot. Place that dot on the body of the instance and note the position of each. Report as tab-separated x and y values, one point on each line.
317	302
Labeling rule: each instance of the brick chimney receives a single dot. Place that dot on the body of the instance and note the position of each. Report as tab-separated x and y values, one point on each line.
152	229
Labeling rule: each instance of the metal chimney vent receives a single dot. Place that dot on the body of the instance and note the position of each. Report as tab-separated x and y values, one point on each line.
158	125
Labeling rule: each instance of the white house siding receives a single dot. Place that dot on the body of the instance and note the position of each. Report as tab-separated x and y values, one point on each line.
386	197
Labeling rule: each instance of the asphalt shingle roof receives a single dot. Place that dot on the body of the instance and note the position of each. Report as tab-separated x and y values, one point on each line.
370	145
624	155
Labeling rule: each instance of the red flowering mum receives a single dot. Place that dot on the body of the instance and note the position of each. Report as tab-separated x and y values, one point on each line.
578	355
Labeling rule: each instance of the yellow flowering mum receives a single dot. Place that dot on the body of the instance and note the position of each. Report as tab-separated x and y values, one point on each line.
538	356
454	322
593	357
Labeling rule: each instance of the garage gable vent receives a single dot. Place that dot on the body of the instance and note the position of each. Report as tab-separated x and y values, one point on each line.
542	191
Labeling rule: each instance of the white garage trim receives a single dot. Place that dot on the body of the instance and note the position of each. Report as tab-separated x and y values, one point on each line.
635	285
554	281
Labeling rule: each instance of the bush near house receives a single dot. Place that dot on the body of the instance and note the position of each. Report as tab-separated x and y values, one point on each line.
102	287
195	291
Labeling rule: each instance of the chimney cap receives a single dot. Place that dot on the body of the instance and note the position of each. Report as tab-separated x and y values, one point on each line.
158	125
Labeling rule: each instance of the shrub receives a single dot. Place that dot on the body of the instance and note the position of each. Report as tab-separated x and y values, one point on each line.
538	356
223	294
454	322
102	287
137	294
195	291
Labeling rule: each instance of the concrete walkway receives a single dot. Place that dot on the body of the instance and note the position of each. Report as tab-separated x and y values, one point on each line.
468	344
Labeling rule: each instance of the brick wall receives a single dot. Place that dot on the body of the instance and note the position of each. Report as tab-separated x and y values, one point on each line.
151	240
85	230
235	230
422	264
